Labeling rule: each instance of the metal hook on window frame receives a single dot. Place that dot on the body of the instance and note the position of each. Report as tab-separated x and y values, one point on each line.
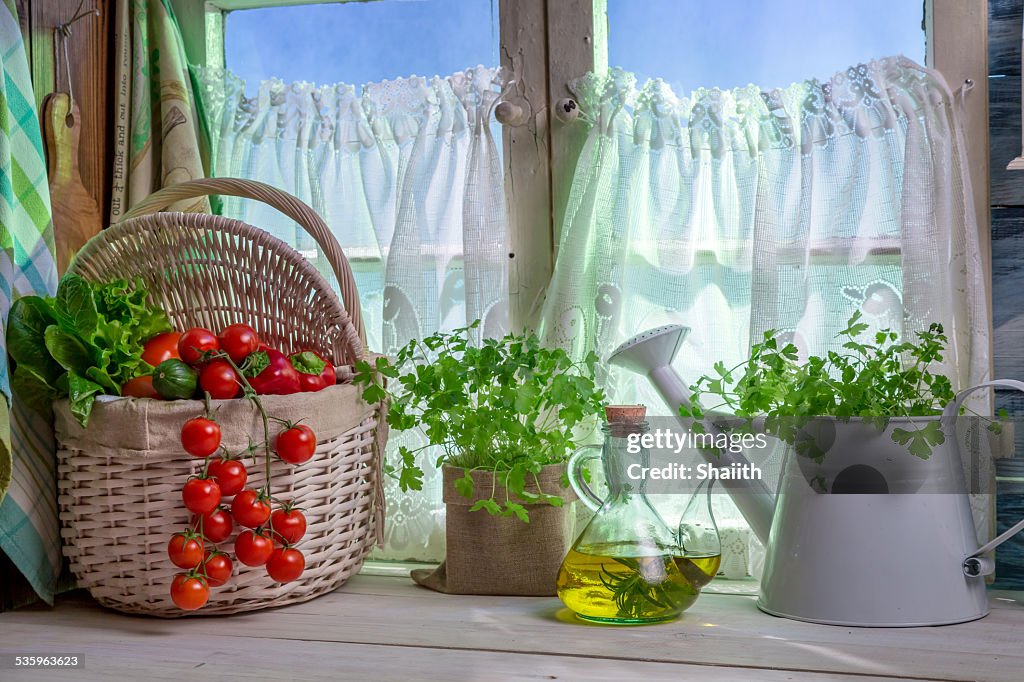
61	36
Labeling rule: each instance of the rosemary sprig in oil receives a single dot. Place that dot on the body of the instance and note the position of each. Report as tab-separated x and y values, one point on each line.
635	592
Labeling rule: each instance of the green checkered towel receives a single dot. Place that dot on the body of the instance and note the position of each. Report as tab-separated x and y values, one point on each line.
29	533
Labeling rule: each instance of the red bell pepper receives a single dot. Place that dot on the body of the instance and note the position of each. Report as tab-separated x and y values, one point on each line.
278	378
315	373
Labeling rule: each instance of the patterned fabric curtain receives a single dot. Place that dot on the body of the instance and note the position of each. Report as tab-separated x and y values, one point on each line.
158	140
735	212
29	535
408	176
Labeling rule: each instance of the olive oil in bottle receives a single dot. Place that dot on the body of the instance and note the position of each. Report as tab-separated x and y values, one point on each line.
624	583
700	544
698	569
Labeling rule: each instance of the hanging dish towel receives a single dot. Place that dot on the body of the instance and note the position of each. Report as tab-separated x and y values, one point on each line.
29	534
160	140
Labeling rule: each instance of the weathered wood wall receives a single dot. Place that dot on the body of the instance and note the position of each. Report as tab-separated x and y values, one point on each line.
89	49
1005	17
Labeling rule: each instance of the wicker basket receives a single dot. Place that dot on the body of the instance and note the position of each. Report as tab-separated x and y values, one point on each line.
119	495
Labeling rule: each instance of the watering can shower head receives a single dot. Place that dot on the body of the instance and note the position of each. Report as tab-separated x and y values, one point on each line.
652	349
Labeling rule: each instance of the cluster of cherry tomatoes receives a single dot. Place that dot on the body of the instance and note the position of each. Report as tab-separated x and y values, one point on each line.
195	362
218	499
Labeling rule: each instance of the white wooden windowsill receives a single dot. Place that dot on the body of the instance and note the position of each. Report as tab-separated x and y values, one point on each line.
385	628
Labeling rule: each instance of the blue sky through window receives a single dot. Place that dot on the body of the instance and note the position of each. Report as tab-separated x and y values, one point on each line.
689	43
361	42
772	43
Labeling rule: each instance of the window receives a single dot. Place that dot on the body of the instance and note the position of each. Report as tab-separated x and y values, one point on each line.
545	44
549	42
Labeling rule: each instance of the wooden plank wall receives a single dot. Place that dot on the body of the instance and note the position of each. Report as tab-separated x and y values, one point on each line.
89	53
1005	17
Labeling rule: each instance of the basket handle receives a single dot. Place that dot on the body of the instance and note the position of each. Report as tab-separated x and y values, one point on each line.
298	211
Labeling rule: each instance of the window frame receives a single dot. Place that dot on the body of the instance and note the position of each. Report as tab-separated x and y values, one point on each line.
546	43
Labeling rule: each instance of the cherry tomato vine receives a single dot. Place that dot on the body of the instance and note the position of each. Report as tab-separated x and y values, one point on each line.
270	527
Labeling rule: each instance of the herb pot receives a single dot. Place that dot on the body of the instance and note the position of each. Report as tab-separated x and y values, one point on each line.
500	555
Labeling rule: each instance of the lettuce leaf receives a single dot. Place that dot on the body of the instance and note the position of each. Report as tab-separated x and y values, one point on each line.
82	394
85	341
26	327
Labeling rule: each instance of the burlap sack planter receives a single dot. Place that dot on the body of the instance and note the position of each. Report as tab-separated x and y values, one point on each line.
120	485
497	555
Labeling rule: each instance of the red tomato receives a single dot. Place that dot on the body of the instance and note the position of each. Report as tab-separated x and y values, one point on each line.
200	437
220	380
161	347
141	387
194	343
189	591
215	526
288	525
201	495
253	549
185	550
230	475
295	445
285	564
238	341
249	510
218	568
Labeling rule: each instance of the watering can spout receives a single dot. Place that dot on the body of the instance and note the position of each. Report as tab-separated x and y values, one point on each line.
650	354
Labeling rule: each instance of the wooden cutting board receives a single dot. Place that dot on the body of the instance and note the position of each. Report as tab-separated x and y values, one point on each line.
76	215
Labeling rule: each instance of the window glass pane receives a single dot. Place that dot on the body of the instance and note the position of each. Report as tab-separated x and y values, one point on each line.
732	43
361	42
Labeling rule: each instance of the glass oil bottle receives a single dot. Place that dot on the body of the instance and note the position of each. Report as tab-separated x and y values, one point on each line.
624	567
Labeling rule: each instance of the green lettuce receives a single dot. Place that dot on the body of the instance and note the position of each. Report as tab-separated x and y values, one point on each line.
85	341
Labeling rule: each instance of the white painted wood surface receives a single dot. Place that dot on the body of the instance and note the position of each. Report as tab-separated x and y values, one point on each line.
381	629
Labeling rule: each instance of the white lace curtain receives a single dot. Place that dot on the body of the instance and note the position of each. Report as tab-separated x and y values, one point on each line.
409	177
734	212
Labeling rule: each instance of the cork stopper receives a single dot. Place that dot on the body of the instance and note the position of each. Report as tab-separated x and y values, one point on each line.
624	419
625	414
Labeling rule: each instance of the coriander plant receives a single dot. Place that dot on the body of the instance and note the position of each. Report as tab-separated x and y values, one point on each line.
509	406
876	380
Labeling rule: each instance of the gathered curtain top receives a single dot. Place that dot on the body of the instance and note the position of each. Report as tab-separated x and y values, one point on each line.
346	116
866	99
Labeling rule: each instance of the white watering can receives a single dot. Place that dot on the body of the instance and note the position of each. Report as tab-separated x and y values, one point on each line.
901	552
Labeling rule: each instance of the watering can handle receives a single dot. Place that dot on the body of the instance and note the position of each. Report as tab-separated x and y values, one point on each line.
952	410
581	457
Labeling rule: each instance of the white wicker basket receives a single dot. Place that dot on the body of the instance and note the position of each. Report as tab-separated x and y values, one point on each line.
119	495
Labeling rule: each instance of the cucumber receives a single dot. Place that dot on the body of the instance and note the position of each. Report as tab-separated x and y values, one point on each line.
174	380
